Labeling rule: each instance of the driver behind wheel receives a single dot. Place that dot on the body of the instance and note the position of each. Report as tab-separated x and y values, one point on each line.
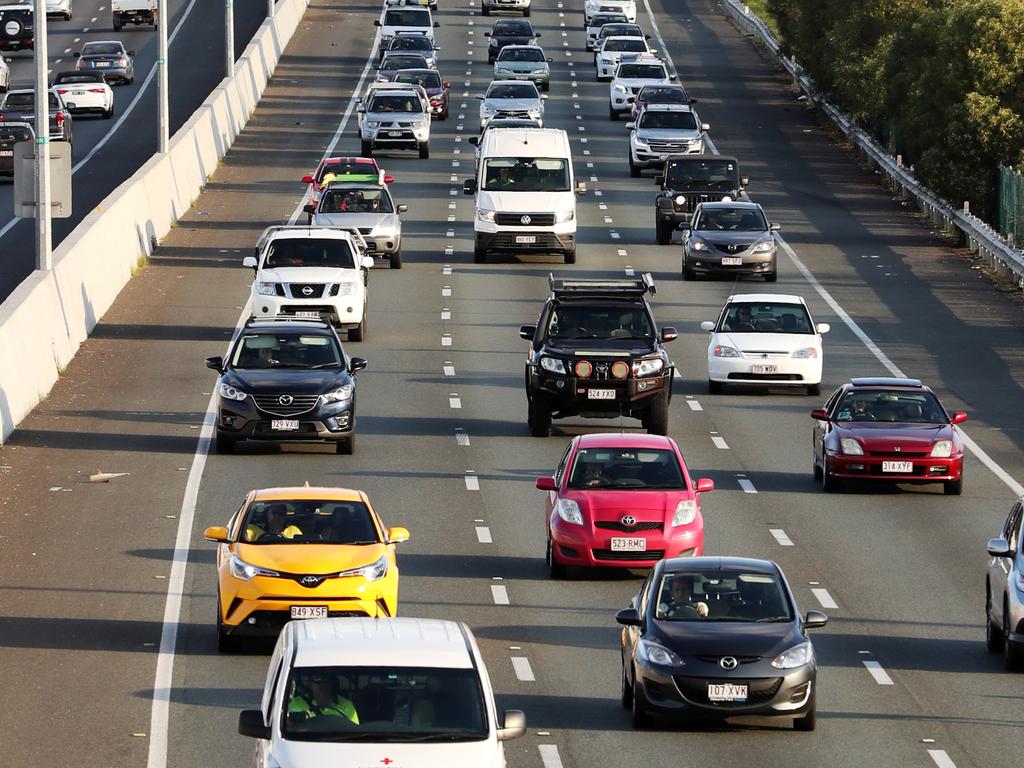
275	526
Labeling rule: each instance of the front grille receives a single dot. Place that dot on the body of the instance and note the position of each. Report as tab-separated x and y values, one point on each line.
764	354
298	404
546	241
766	376
666	145
516	113
365	230
616	525
306	290
759	690
732	247
740	659
516	219
899	454
607	554
291	309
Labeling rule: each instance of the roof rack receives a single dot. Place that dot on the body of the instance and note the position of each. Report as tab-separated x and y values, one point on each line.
567	286
286	319
884	381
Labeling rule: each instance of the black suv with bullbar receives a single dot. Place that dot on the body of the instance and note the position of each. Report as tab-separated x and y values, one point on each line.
286	381
597	352
689	180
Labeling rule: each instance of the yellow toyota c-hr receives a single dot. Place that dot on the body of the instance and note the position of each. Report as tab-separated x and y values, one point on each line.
302	553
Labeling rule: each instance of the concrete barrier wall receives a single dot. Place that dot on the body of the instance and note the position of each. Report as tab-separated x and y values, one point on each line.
47	317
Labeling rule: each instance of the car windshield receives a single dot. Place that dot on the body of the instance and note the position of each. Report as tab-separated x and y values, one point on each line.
404	61
426	79
257	351
384	103
530	53
412	43
643	72
309	253
526	174
389	704
512	29
10	134
364	167
102	49
721	595
513	91
891	405
633	44
621	30
683	121
308	521
731	220
623	321
407	17
600	19
659	94
766	317
356	200
626	469
702	174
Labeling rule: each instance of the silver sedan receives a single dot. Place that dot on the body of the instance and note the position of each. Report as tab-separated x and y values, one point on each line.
1004	591
524	62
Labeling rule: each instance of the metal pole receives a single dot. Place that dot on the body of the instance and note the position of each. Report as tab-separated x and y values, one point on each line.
44	253
163	98
229	39
271	5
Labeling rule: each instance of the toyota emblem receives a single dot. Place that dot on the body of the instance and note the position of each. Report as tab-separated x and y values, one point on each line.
525	221
285	399
307	290
309	581
728	662
628	520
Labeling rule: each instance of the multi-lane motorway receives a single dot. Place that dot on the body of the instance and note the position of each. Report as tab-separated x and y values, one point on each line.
106	152
85	568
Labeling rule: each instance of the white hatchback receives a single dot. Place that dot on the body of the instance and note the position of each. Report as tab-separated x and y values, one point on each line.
765	339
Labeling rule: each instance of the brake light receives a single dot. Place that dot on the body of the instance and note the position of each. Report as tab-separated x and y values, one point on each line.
62	91
60	118
122	62
91	90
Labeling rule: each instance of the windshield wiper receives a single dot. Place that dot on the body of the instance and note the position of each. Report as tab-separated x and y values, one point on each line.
443	736
324	365
772	619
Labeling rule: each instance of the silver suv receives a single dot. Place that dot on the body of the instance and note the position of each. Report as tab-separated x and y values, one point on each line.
368	208
395	119
661	130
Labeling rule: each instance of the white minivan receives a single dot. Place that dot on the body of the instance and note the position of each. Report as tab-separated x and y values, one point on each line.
361	692
525	191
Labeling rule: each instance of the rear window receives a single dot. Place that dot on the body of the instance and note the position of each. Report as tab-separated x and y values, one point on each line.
518	28
521	54
659	94
101	49
407	17
642	71
78	77
309	253
20	101
9	135
403	62
426	79
632	45
414	43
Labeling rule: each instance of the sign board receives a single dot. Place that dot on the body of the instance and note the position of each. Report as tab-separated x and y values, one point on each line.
25	180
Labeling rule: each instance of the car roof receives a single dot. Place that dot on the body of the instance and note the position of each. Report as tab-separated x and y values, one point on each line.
886	381
718	205
102	42
705	563
757	298
389	642
625	440
303	492
655	106
351	160
306	233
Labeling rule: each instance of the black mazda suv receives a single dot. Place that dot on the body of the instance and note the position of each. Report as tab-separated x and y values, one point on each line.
285	381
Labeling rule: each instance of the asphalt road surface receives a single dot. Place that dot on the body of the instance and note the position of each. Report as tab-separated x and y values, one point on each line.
85	569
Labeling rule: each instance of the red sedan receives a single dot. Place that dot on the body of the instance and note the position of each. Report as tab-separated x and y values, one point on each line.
622	500
887	429
352	168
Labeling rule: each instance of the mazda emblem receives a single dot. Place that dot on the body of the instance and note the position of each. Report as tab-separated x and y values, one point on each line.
897	449
628	520
285	399
728	662
307	290
525	221
732	248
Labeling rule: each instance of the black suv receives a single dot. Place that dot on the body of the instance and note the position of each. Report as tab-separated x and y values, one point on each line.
509	32
17	26
286	380
692	179
596	352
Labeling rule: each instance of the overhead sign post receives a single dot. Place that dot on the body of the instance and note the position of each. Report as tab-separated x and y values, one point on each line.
163	98
26	184
229	38
44	242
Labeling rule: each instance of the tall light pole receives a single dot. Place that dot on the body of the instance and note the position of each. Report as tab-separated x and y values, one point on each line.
163	97
229	38
270	8
44	253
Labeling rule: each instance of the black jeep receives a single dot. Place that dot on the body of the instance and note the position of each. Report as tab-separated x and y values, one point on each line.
692	179
596	352
17	26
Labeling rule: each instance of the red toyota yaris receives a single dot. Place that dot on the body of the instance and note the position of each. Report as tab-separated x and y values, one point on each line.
622	500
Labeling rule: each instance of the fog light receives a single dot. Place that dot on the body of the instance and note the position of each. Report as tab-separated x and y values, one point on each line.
568	551
855	467
390	244
560	383
252	619
938	470
266	310
645	385
349	309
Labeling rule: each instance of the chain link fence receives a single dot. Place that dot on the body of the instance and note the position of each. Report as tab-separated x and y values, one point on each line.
1011	204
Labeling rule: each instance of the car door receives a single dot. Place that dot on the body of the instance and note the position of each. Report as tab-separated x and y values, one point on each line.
1001	568
641	602
272	690
560	474
823	427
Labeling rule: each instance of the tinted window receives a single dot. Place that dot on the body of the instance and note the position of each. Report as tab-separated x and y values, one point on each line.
407	17
642	71
513	91
264	351
530	53
347	167
660	94
600	19
621	30
731	220
634	45
403	62
526	174
683	121
572	321
417	43
360	200
75	77
702	174
102	49
309	522
516	28
20	101
427	79
395	104
626	468
309	253
727	596
742	317
9	134
892	406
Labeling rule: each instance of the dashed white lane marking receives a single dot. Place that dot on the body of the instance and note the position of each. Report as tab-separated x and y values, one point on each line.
446	290
824	598
500	594
941	759
483	534
446	338
621	252
549	755
454	401
461	439
720	443
875	670
781	537
629	271
67	50
57	61
448	369
694	405
615	235
446	314
522	668
472	482
93	19
447	268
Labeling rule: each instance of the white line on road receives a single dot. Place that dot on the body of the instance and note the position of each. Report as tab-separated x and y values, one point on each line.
454	401
876	671
483	534
522	668
720	443
941	759
500	594
694	405
824	597
781	536
472	482
461	439
446	314
446	339
449	369
549	755
746	485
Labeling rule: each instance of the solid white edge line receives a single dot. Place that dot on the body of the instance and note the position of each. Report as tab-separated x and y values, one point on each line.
880	675
663	51
159	721
941	759
523	670
549	755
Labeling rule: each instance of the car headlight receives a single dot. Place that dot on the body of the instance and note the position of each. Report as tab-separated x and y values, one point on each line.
373	124
680	200
569	511
648	366
726	198
535	111
484	215
375	571
698	245
797	656
339	395
851	447
487	109
247	571
942	449
539	71
231	393
620	88
1019	580
266	289
686	512
765	246
552	364
723	350
346	289
807	353
506	70
639	141
653	653
567	215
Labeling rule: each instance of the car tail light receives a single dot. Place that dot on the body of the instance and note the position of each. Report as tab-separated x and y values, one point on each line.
92	90
62	91
122	62
620	370
60	118
584	369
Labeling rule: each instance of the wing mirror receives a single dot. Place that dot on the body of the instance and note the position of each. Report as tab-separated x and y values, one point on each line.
708	326
131	53
823	327
366	262
673	77
309	208
397	535
251	723
446	85
546	484
684	226
249	261
668	333
307	179
705	127
70	105
474	140
630	126
402	208
692	100
999	547
356	364
527	332
581	187
217	533
744	181
437	25
775	227
389	179
487	34
819	414
551	61
469	187
215	364
959	417
705	485
376	22
76	54
628	617
815	620
513	725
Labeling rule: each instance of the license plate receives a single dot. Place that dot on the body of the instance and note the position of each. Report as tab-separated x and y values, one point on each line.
764	369
726	692
898	466
394	134
284	425
308	314
629	545
526	239
309	611
600	394
102	63
78	93
6	153
731	261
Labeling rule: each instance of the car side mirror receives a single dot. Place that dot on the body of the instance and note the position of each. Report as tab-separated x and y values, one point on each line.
389	179
705	127
628	617
469	187
474	140
775	227
217	533
551	61
543	98
546	484
744	181
527	332
673	77
376	22
131	53
76	54
402	208
446	85
437	25
823	328
581	187
356	364
249	261
659	180
251	723
630	126
538	34
215	364
479	98
819	414
513	725
360	110
309	208
307	179
692	101
815	620
654	51
705	485
487	34
684	226
668	333
397	535
708	326
959	417
999	547
647	37
366	262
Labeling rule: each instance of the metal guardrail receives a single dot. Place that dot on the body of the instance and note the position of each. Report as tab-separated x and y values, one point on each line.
973	232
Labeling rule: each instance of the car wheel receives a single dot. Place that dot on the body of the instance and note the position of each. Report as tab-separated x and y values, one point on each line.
612	114
688	274
954	487
479	255
634	169
555	569
626	695
641	717
815	468
538	417
1013	654
771	277
714	387
569	256
395	261
829	484
366	148
359	332
662	233
424	150
224	444
225	642
994	637
657	416
808	721
814	389
346	446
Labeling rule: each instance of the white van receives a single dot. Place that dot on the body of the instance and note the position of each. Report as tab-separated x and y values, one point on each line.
525	191
351	691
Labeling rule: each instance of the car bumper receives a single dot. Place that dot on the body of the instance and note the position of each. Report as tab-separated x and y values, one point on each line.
741	371
539	79
87	103
345	313
574	545
485	119
649	158
568	395
244	421
409	140
606	71
17	45
923	469
506	5
754	265
519	241
109	73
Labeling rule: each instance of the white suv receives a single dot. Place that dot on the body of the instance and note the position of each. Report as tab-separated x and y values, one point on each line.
632	74
615	49
311	272
626	7
401	16
486	6
413	691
